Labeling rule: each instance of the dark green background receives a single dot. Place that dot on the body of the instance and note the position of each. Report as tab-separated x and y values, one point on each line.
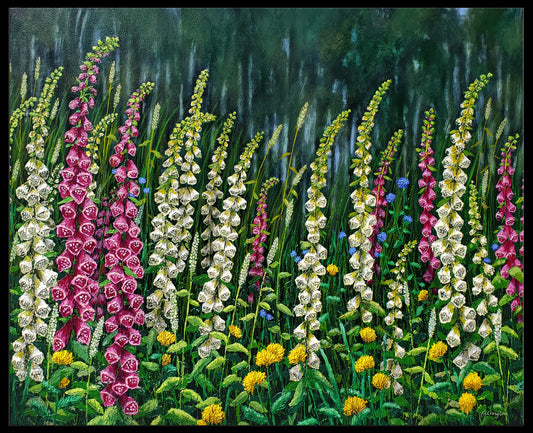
265	63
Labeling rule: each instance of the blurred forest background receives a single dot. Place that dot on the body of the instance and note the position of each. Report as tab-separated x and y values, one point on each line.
266	63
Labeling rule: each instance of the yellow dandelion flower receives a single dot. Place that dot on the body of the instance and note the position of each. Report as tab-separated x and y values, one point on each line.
472	381
381	381
235	331
437	350
201	422
332	270
165	359
297	354
368	334
264	357
277	350
64	383
253	378
467	402
63	357
354	405
365	362
423	295
166	338
213	414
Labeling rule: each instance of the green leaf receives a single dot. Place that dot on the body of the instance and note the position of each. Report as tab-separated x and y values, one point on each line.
147	407
177	347
195	321
232	378
191	395
489	378
430	419
168	384
330	412
308	421
439	386
508	352
208	401
454	415
179	416
152	366
254	416
255	405
298	394
78	365
80	392
284	309
281	402
507	330
415	369
236	347
240	399
483	367
417	351
517	273
216	363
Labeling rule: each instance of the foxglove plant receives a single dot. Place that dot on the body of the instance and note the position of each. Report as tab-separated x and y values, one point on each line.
214	292
481	283
311	267
397	295
427	183
124	267
387	156
174	196
363	222
212	193
34	243
448	247
76	289
259	228
507	236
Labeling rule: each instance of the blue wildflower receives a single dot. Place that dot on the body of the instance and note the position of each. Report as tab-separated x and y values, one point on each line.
142	180
262	312
293	253
269	316
494	247
351	251
113	170
390	197
342	235
487	260
146	190
407	219
382	237
304	252
376	254
297	259
402	182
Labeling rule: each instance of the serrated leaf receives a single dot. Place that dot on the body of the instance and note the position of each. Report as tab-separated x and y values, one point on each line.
195	321
80	392
254	416
216	363
255	405
439	386
330	412
180	416
240	399
177	347
430	419
308	421
236	347
168	384
517	273
284	309
248	317
508	352
152	366
417	351
489	378
507	330
191	395
79	365
238	366
483	367
147	407
281	402
95	405
232	378
299	393
415	369
208	401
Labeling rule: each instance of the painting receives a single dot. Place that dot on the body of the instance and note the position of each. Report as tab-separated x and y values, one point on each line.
266	216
